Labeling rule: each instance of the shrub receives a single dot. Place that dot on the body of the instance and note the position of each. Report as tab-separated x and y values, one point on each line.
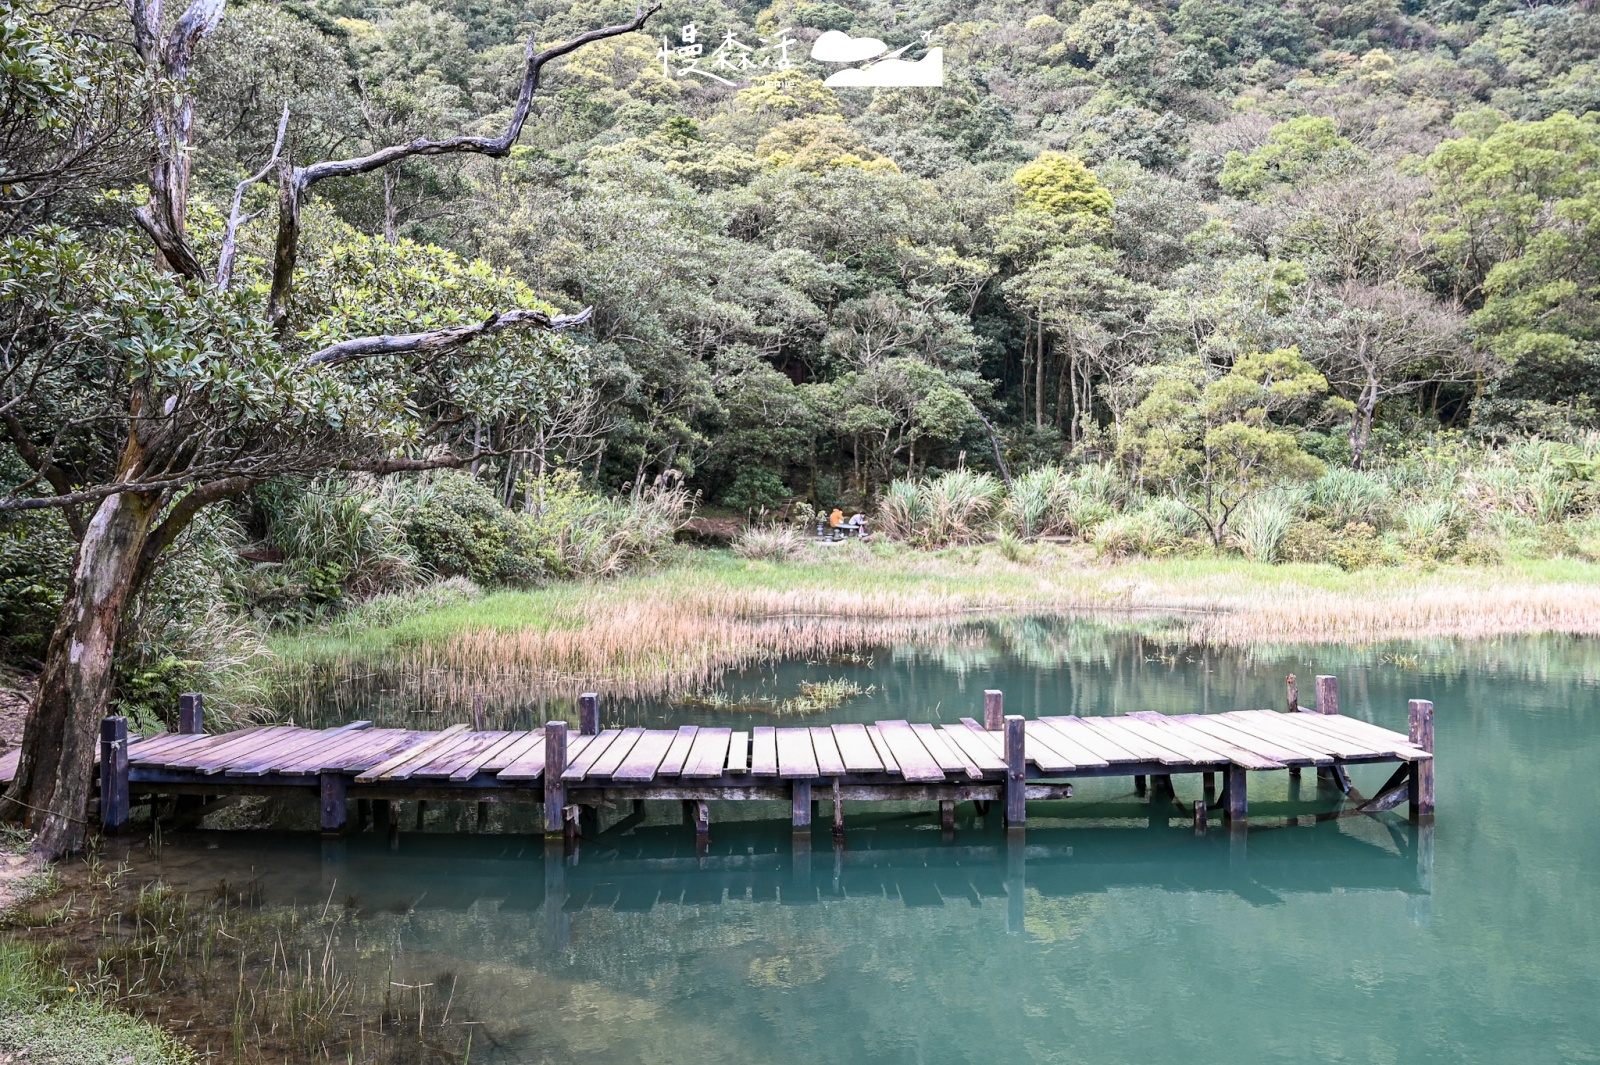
577	533
35	557
1260	525
755	489
902	512
959	505
1341	497
458	528
770	543
1307	541
1356	546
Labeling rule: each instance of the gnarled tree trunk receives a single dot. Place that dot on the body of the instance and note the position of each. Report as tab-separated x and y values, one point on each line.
58	745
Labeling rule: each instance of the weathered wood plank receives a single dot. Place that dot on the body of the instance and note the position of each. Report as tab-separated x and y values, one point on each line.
1180	751
467	768
1366	732
1328	742
265	758
915	763
1225	749
885	755
830	762
950	757
646	756
1016	771
981	754
456	741
738	752
531	762
709	753
1042	752
380	746
1213	725
1313	746
764	751
578	764
1102	747
179	748
1066	740
1130	738
331	746
608	763
672	762
444	762
797	759
203	750
856	749
513	754
409	756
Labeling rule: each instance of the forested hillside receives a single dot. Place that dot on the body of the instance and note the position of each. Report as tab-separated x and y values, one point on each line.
329	298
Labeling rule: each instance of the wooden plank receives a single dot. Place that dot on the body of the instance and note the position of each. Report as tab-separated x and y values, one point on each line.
261	761
491	740
176	744
1225	749
981	755
1069	742
709	753
471	767
530	763
738	752
511	755
8	765
203	750
915	763
1365	732
1312	747
1101	747
830	762
1131	739
890	765
678	753
578	764
646	756
951	759
620	748
1041	751
797	759
1179	751
856	749
764	752
1328	744
410	754
1212	725
456	741
329	752
381	745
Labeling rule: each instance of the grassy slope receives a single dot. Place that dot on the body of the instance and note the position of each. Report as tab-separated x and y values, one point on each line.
713	605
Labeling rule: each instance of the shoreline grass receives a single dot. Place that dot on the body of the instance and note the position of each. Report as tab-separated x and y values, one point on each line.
678	627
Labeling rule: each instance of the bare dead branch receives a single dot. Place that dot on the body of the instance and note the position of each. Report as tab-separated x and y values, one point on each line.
230	234
297	181
441	340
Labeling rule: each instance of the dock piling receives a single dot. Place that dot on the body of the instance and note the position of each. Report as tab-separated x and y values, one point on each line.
1328	704
1236	806
1016	772
555	763
113	774
1292	684
191	714
589	714
1419	789
800	818
994	712
947	816
332	787
838	811
1199	817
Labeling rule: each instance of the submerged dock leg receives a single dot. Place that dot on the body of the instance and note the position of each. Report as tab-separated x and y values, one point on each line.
1208	785
1328	703
800	818
1199	817
555	763
1236	808
947	816
483	816
1016	772
1419	786
1016	884
333	802
838	811
1138	784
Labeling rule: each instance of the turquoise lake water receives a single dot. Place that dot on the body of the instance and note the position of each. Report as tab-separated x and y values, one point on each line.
1112	933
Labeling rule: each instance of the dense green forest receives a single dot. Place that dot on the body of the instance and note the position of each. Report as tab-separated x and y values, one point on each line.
329	298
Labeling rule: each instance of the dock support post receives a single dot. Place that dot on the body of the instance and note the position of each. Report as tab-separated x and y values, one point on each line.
422	812
1327	703
1293	691
555	763
1138	784
838	811
589	714
1161	786
556	920
363	814
113	774
1016	772
394	824
1236	809
1419	786
333	802
483	816
1199	817
702	821
800	818
1208	785
191	714
947	816
380	815
994	713
1016	884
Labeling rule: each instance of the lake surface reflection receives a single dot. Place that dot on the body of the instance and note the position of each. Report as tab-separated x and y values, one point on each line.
1110	933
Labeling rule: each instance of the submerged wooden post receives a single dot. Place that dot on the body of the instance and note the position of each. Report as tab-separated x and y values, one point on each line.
557	921
483	816
589	714
1236	809
1208	785
555	763
702	820
800	817
1016	772
332	786
838	811
1016	884
191	714
363	814
1327	695
113	774
994	712
380	814
422	812
1138	784
1419	785
947	815
1199	817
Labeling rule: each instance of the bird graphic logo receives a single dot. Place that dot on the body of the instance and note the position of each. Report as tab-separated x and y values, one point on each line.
886	71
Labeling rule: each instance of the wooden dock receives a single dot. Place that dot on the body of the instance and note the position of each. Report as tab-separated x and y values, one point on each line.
1002	759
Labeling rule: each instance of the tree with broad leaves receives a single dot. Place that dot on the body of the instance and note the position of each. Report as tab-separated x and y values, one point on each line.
136	395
